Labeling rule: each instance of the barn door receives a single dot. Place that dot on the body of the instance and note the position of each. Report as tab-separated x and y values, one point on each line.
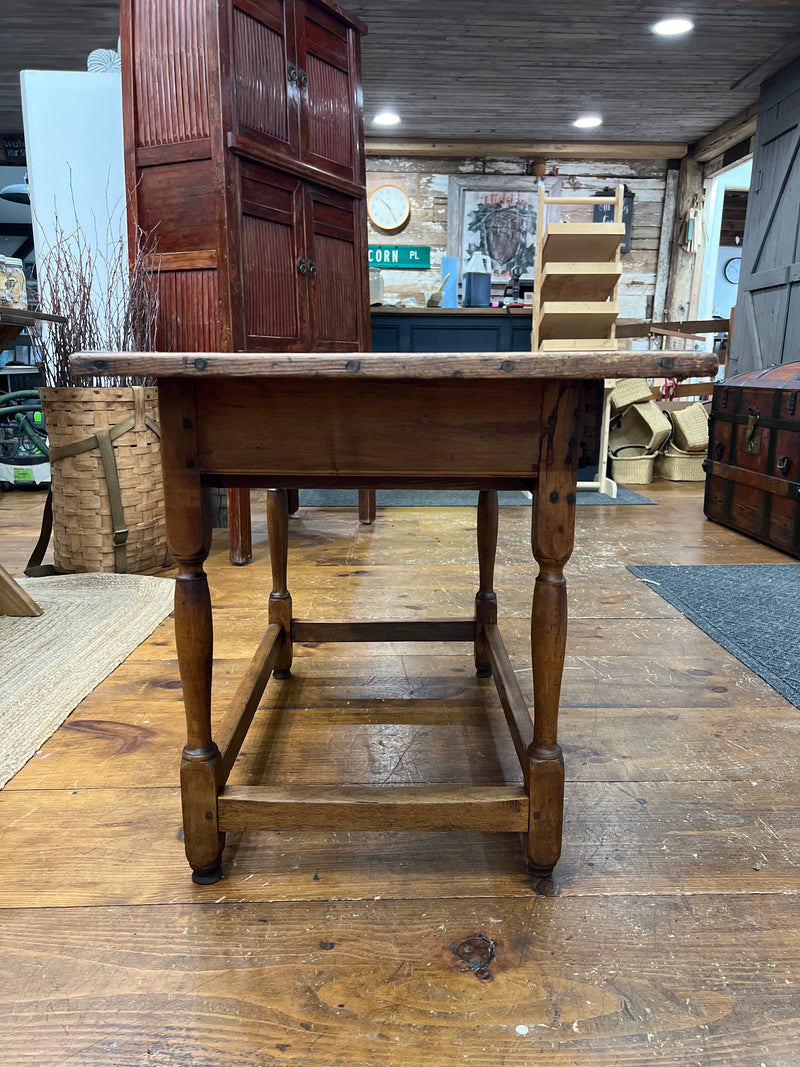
767	318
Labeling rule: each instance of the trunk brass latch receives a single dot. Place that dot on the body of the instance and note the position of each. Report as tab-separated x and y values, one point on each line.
752	436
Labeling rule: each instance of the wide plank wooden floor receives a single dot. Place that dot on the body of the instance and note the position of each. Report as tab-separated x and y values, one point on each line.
669	935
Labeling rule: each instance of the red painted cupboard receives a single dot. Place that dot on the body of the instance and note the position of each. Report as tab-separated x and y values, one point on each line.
244	153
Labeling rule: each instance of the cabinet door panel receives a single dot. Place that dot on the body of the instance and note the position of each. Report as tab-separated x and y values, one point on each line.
274	292
169	80
331	102
265	101
176	202
337	300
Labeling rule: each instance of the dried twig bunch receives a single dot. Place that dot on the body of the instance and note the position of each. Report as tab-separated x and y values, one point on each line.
108	298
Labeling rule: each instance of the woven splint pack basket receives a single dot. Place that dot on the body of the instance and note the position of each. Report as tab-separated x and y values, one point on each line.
105	465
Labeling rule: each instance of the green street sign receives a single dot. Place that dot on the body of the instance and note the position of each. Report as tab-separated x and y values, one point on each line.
400	257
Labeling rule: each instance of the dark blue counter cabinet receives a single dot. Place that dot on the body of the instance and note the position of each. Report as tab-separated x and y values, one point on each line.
451	329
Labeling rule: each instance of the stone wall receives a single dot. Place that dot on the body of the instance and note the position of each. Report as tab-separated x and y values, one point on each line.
426	183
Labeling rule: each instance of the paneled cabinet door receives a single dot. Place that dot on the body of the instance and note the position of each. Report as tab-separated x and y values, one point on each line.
331	120
263	75
272	262
337	297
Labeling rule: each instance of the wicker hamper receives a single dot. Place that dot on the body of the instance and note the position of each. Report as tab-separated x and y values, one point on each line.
690	428
678	466
629	391
640	424
108	498
632	465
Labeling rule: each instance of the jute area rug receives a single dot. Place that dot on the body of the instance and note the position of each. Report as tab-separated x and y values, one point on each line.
89	624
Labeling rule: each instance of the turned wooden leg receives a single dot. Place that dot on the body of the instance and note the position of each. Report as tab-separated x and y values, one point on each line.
293	496
188	519
546	781
280	600
195	643
240	536
366	506
485	599
553	528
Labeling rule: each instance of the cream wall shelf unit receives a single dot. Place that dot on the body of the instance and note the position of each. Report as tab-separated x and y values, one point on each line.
575	305
579	281
576	277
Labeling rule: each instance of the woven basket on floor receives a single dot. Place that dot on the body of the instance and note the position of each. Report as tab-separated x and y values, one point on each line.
678	466
632	465
105	463
640	424
690	428
629	391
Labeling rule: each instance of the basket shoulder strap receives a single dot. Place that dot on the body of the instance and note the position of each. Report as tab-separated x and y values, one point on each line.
119	531
34	568
74	448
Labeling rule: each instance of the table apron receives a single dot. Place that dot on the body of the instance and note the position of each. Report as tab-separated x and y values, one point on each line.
483	434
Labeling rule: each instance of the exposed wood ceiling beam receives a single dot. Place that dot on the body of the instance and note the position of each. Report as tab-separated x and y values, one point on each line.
378	146
727	135
770	66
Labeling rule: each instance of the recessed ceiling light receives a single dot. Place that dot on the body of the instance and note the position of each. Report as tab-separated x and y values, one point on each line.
386	118
672	27
588	122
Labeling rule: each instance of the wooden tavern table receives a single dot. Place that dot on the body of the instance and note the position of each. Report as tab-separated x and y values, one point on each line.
484	421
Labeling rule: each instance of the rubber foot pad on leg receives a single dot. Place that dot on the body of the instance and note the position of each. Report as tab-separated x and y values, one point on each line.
207	877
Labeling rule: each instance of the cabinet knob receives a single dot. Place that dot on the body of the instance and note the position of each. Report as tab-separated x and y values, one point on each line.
302	266
302	77
312	268
293	72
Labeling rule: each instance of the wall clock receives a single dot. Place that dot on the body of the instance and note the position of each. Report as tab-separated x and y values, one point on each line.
388	207
731	270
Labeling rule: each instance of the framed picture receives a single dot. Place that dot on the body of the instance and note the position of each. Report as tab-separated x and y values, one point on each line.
495	216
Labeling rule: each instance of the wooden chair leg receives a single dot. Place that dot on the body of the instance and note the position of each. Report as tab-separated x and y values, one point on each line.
293	496
240	538
366	506
486	598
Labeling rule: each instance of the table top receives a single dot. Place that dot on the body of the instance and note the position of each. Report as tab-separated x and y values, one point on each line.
23	317
400	365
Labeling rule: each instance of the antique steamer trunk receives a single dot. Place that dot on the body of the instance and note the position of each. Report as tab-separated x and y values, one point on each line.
753	465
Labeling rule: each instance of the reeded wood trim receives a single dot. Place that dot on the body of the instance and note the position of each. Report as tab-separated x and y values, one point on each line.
384	630
427	808
376	146
171	76
233	728
398	365
188	315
